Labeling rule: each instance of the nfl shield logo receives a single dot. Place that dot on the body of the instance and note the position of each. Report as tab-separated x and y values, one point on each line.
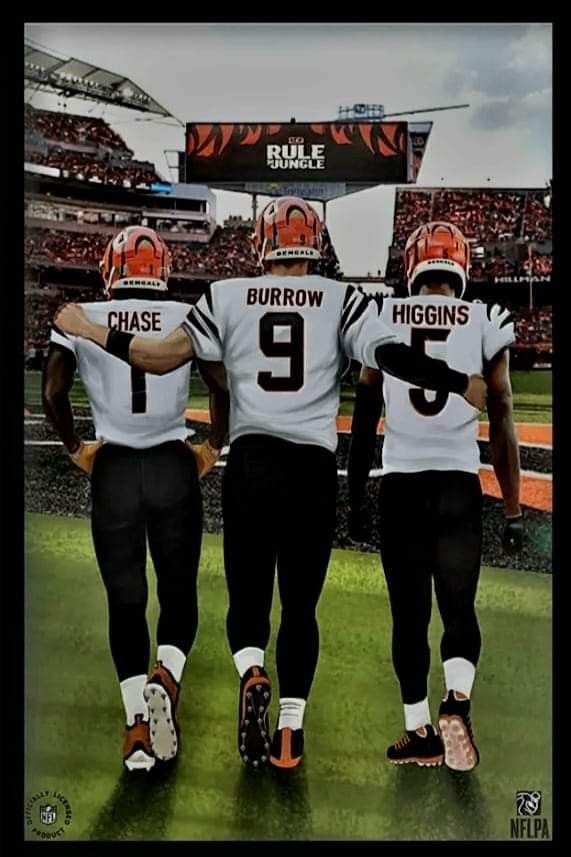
48	814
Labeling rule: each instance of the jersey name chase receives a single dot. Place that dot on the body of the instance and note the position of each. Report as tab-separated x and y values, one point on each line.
129	320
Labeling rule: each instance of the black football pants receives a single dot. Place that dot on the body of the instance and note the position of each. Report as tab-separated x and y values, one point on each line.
431	528
140	494
279	502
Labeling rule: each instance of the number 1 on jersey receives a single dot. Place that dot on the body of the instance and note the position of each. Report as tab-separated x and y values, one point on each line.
138	391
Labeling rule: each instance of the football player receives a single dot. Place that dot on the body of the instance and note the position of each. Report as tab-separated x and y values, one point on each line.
144	484
283	338
430	494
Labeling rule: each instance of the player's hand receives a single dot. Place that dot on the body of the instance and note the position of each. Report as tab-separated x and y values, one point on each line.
206	456
84	455
71	319
359	525
476	392
512	538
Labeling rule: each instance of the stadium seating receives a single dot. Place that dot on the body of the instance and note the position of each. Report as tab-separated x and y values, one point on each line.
486	216
83	147
228	254
70	128
505	227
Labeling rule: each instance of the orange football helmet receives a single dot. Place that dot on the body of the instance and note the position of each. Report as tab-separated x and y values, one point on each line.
287	228
437	246
136	258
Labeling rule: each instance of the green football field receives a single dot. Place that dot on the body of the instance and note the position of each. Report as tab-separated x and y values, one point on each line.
532	395
344	789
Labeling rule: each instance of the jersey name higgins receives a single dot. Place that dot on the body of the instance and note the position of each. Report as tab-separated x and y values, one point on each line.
296	157
431	315
284	297
129	320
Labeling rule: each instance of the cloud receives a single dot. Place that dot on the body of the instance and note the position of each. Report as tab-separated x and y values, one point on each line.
507	77
514	112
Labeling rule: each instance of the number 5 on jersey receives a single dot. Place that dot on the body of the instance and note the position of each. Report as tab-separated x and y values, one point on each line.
419	336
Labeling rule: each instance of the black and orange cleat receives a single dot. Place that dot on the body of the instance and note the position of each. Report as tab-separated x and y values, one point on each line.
420	746
253	730
287	748
137	750
460	751
161	694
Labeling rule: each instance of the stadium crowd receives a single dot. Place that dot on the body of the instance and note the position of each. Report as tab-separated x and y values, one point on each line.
487	216
85	166
58	245
228	254
534	327
84	147
71	128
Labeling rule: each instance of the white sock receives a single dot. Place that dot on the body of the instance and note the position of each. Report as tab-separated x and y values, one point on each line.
133	699
416	715
459	674
173	659
291	712
248	657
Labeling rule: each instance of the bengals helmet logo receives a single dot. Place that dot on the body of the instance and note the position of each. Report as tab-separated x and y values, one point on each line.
288	228
437	246
136	258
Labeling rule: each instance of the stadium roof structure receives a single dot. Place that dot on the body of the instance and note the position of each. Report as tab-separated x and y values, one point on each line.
73	77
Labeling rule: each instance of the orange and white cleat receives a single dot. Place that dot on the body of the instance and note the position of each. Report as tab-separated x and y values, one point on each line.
137	750
420	746
161	694
460	751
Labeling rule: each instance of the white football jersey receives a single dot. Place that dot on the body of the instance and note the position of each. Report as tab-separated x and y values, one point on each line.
425	430
284	343
131	407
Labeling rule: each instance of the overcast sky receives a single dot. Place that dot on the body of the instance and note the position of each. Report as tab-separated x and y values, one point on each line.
271	72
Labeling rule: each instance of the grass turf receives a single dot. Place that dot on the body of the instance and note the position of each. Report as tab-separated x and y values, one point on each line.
344	789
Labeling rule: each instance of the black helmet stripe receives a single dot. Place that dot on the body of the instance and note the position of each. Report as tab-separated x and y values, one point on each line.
295	207
142	238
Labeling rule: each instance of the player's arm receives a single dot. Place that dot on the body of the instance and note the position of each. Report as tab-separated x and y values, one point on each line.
214	376
504	445
368	339
57	381
157	356
419	369
366	415
208	453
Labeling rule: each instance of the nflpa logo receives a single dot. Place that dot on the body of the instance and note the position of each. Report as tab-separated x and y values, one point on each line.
528	824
